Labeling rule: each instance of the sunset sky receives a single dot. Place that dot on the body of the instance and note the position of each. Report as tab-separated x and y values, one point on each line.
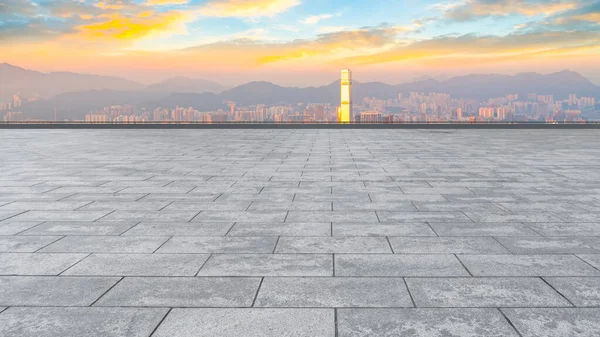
301	42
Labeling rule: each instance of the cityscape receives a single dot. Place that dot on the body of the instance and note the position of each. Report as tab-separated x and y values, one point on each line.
414	107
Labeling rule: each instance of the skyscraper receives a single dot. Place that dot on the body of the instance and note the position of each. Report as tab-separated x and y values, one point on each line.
346	96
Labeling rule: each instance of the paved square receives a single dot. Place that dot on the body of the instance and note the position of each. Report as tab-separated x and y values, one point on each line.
335	233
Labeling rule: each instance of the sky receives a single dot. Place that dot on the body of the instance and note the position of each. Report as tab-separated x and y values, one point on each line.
301	42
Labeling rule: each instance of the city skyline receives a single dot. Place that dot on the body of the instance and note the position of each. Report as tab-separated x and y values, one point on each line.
278	40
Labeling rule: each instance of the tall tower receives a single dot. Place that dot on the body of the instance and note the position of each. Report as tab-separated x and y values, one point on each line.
346	96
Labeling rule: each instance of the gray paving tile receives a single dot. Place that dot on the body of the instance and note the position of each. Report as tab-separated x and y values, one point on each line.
25	244
52	290
182	292
333	292
208	206
374	206
180	216
391	217
552	245
80	228
290	206
483	292
281	229
78	322
482	229
9	215
593	259
189	244
268	265
332	216
512	217
13	228
423	322
60	216
401	229
555	322
180	229
36	263
449	245
139	265
566	228
457	206
398	265
527	265
125	205
241	216
105	244
359	245
248	322
581	291
43	206
580	217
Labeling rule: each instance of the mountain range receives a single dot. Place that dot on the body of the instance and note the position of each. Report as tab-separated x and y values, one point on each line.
74	95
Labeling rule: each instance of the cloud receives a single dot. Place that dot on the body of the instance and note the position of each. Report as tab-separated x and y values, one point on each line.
166	2
474	47
475	9
247	8
132	27
314	19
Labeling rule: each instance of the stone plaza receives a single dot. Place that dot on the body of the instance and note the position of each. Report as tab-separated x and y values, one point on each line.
299	232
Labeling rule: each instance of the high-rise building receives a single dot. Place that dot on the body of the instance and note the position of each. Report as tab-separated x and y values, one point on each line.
346	96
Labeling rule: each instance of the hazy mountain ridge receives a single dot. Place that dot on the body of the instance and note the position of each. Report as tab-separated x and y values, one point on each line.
165	94
15	79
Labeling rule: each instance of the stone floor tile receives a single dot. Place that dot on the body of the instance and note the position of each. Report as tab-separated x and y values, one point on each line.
281	229
37	263
555	322
106	244
78	322
60	216
423	322
80	228
241	216
449	245
182	292
268	265
327	292
52	290
13	228
139	265
125	206
391	217
398	265
25	244
165	216
482	229
552	245
581	291
567	228
527	265
248	322
483	292
332	216
401	229
213	244
316	245
180	229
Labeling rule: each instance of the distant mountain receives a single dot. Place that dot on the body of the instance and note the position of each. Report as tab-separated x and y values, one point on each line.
28	82
185	85
186	92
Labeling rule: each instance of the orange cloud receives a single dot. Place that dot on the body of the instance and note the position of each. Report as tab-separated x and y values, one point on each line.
247	8
140	25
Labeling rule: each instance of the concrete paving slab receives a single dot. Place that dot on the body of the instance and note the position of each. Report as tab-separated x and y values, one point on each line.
52	290
77	322
555	322
483	292
139	265
182	292
248	322
423	322
328	292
